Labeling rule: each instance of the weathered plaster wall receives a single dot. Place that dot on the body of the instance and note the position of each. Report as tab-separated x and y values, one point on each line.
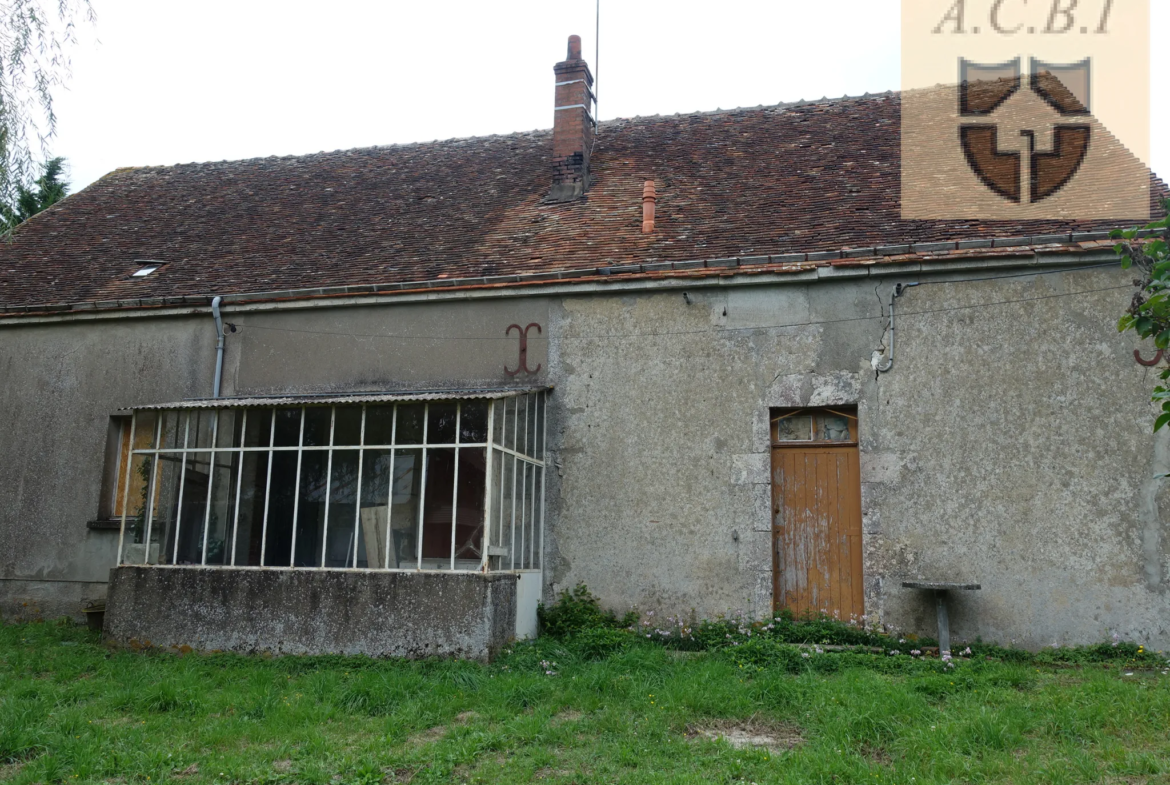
382	614
1011	445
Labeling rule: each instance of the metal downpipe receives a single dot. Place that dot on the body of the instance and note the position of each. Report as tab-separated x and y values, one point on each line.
898	289
215	301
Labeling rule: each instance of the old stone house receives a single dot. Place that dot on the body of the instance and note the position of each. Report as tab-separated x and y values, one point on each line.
387	399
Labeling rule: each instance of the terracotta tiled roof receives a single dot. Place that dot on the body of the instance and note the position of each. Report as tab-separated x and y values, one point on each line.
797	179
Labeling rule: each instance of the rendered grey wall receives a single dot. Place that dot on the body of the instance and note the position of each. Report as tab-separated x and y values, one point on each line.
1011	444
382	614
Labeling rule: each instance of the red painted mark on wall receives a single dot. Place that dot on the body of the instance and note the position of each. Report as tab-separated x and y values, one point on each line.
523	364
1137	355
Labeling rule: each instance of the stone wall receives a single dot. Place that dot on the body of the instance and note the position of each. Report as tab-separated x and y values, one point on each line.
382	614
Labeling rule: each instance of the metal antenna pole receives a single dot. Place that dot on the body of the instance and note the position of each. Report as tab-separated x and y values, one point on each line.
596	61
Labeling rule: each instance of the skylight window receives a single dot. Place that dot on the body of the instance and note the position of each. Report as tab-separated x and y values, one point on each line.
148	267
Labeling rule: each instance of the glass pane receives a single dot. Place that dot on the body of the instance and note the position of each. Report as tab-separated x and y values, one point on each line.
347	425
174	429
380	425
202	425
339	533
311	508
228	433
530	425
288	427
410	424
537	516
133	548
441	423
189	548
259	428
145	424
497	422
317	419
541	404
249	529
797	428
832	428
436	550
223	505
157	546
496	499
522	472
406	493
473	422
511	423
371	538
508	511
278	543
469	509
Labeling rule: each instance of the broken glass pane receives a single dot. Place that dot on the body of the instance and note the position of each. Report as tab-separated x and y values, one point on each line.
797	428
832	428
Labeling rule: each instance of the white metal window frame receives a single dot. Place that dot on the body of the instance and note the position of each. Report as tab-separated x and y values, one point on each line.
496	443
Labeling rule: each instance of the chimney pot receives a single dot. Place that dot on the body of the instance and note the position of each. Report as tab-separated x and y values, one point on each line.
574	48
649	197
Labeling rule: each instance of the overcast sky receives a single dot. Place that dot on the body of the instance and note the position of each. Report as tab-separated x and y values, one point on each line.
173	82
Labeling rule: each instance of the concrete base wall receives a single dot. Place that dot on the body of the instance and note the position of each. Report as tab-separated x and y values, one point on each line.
382	614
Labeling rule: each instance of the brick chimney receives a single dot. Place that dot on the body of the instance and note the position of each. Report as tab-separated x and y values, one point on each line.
572	125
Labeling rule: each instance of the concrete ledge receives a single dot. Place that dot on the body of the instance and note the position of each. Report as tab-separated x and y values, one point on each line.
283	611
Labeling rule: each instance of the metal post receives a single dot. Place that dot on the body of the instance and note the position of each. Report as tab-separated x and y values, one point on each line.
455	481
268	488
126	484
179	503
239	483
357	507
292	556
210	483
944	625
486	539
422	493
328	483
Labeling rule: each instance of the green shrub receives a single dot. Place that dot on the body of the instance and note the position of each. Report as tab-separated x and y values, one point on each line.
577	610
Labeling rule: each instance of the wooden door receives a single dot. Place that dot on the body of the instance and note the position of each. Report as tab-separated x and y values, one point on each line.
816	514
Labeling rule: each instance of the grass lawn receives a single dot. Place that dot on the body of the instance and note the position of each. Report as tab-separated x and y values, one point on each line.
70	711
